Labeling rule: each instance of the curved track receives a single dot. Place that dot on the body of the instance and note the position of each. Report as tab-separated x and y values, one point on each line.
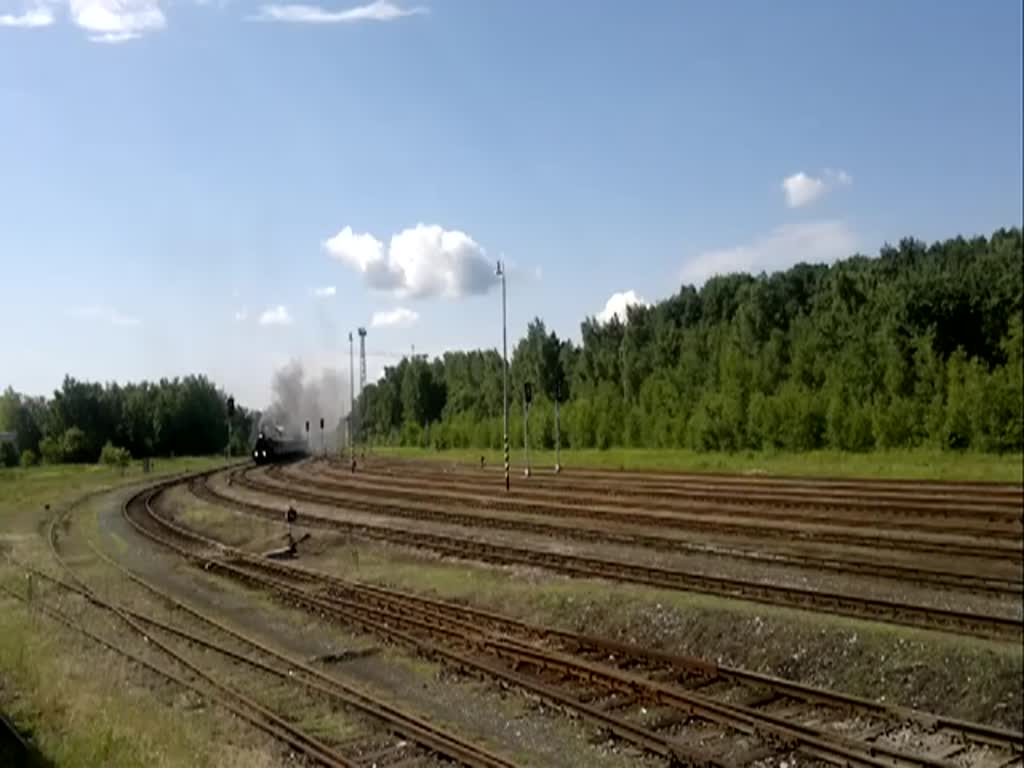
411	734
634	529
598	679
961	622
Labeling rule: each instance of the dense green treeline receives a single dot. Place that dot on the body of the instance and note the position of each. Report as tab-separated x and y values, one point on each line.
180	417
919	346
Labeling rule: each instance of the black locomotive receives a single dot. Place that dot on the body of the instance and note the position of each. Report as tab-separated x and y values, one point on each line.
271	450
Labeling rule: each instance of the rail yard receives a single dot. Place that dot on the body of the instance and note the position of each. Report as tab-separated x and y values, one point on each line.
304	599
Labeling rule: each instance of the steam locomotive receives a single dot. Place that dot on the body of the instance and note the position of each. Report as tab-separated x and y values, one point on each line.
271	450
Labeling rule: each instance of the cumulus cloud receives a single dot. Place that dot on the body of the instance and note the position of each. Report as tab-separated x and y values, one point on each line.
399	317
617	303
116	21
105	314
420	262
297	13
33	18
325	291
812	242
276	316
801	189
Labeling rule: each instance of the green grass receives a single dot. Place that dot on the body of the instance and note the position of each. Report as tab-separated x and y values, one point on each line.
24	492
85	707
911	464
82	706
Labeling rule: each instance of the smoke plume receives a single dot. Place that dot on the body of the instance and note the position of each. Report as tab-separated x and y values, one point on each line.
298	398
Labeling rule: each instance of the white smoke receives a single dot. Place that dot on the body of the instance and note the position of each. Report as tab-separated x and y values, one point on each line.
298	399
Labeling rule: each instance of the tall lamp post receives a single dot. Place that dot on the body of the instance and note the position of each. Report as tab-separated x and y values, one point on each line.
351	397
500	272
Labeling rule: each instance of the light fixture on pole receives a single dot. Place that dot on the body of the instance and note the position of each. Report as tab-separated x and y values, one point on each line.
500	272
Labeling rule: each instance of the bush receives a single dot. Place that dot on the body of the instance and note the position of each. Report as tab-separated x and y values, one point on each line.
29	458
113	456
51	450
73	445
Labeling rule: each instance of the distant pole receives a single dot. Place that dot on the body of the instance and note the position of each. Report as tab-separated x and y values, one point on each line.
504	364
351	395
558	441
526	438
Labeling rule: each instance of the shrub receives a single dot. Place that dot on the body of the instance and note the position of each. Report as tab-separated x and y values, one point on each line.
73	445
51	450
29	458
113	456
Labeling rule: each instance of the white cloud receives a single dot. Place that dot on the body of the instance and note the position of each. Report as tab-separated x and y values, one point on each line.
617	303
241	315
399	317
33	18
297	13
813	242
105	314
276	316
325	291
423	261
801	189
115	21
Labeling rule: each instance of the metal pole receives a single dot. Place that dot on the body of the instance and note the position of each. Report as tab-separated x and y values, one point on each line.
504	363
558	441
526	437
351	396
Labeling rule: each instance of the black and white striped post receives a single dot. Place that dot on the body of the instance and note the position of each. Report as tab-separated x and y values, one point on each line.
500	272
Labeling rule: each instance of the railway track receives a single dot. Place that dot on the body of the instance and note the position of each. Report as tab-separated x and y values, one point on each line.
399	737
897	496
599	679
960	622
424	505
199	683
336	493
907	489
1005	521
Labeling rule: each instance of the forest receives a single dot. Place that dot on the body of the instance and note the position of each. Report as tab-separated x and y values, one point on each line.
172	417
919	346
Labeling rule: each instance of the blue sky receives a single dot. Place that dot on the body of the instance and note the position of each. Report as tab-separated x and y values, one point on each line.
172	173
